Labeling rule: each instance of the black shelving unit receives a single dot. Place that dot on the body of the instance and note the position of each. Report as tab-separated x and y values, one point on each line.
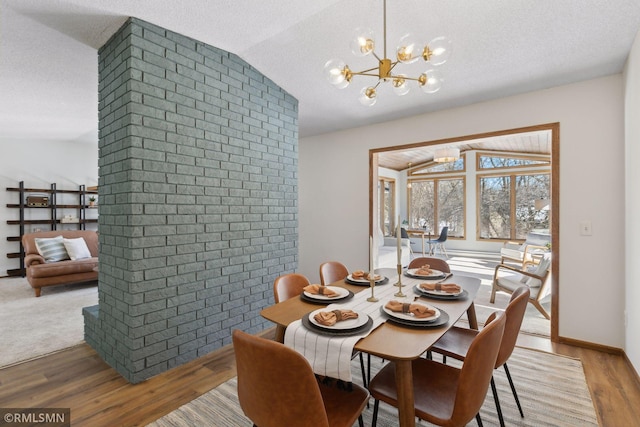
51	221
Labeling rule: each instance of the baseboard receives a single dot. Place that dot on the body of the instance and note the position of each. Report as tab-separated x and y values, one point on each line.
591	346
632	368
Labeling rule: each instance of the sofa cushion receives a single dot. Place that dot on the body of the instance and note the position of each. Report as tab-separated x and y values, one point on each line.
51	248
62	268
76	248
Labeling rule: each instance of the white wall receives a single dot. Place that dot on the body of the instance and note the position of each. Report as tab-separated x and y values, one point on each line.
38	164
632	225
334	209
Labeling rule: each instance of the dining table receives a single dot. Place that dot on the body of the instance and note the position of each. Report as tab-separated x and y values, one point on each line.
397	342
423	234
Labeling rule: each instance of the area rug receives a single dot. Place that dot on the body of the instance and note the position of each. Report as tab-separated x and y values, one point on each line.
33	327
552	390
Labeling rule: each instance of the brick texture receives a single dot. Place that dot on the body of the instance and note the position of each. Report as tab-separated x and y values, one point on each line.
198	199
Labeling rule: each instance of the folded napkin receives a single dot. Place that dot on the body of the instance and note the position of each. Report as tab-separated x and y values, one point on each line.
320	290
330	318
418	310
424	270
449	288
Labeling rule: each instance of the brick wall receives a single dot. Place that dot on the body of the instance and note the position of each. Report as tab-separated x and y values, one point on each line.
198	199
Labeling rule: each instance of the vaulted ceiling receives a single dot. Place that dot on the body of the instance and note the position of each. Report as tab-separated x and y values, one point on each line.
48	52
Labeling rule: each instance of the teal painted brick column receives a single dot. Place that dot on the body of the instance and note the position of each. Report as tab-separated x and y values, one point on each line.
198	199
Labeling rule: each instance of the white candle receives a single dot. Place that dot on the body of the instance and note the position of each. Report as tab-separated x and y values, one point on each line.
370	254
398	234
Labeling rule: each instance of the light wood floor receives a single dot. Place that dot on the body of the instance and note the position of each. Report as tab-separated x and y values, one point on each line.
77	378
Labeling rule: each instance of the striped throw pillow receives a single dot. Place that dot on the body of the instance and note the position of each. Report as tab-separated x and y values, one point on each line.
51	248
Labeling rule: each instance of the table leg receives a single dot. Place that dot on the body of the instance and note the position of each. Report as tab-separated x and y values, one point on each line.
404	385
471	317
280	333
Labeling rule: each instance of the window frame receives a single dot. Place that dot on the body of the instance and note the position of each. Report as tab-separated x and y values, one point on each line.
530	170
435	178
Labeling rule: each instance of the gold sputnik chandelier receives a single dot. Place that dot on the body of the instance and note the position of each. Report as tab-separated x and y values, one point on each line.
434	53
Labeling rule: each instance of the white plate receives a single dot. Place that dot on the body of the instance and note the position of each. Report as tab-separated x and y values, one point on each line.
443	293
361	320
411	317
364	279
342	292
434	273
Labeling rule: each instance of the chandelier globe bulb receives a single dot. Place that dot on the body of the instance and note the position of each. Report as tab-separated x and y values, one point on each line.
368	96
362	42
437	51
408	50
430	81
400	86
337	73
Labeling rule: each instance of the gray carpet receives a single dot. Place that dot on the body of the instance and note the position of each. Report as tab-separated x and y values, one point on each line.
552	391
33	327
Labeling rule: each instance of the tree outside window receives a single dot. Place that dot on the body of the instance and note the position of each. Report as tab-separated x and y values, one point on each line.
431	210
507	205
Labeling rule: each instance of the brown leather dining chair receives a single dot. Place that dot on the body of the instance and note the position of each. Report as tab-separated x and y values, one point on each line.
444	395
456	341
291	285
332	271
277	387
435	263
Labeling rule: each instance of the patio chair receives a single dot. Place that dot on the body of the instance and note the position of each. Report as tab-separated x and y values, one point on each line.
536	280
434	244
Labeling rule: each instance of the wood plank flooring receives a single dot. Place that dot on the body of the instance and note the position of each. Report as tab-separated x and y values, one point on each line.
77	378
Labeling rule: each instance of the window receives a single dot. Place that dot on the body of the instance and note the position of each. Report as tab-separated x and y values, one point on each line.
387	197
489	161
506	208
436	203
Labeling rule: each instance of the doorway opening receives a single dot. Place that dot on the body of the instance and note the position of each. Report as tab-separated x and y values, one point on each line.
527	148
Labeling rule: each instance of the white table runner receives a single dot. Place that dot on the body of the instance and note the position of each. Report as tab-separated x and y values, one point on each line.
331	356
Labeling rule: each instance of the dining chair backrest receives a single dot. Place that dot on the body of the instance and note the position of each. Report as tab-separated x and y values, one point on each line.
477	369
289	286
443	234
515	314
264	366
435	263
332	271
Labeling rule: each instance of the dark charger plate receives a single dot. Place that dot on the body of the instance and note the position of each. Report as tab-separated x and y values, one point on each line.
463	295
360	283
442	320
306	298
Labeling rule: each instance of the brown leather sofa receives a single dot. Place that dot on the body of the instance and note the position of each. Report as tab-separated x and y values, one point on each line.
41	273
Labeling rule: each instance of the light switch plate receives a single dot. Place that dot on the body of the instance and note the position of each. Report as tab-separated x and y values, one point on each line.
585	228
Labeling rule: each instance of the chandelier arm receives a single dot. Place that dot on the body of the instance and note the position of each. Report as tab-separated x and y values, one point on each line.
365	74
365	71
410	78
376	56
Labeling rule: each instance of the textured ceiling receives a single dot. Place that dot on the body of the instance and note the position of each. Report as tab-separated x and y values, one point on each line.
48	52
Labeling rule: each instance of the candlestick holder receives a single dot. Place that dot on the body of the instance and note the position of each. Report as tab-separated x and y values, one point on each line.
372	283
399	294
